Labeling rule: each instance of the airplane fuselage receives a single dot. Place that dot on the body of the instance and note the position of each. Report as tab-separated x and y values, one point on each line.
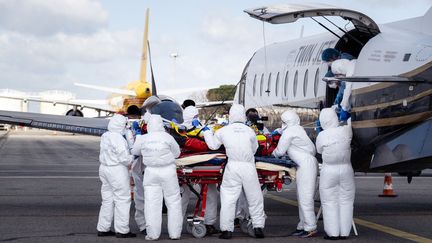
289	75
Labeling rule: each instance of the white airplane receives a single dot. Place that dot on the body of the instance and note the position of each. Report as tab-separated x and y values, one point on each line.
392	83
391	98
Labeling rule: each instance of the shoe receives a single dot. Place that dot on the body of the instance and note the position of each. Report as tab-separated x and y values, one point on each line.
237	223
144	232
343	237
297	232
308	234
225	235
175	238
109	233
331	237
210	229
127	235
149	238
259	232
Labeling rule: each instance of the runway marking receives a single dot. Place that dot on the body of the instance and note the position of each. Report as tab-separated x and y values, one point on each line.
365	223
49	177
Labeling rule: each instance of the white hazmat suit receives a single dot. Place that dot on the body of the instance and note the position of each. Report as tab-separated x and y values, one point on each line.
240	172
113	172
345	68
337	187
137	171
296	143
159	151
210	216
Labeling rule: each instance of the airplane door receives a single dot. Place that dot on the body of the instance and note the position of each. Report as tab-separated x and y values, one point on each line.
330	96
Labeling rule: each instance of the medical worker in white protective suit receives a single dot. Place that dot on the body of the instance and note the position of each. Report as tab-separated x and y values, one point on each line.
115	158
341	68
159	151
137	172
190	121
337	188
240	172
137	168
296	143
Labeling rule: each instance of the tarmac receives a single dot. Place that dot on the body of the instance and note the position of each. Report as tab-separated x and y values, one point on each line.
50	192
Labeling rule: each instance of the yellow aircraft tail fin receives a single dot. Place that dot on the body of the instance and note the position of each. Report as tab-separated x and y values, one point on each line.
144	55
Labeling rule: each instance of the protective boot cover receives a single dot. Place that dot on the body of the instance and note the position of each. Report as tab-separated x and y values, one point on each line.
295	142
113	172
240	145
337	187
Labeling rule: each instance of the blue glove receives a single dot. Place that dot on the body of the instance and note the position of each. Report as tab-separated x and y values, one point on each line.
136	128
275	132
195	123
174	120
205	129
344	115
225	123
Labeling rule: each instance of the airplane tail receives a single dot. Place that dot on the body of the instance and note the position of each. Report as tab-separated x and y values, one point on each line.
144	55
417	24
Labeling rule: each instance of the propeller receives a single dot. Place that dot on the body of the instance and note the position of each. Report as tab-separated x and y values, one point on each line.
154	92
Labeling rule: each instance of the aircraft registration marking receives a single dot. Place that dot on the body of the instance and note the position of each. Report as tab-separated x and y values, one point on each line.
365	223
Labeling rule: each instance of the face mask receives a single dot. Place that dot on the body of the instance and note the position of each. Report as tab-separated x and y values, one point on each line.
332	85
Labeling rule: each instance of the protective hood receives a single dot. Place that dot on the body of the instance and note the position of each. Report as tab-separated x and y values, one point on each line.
289	118
155	124
237	113
328	118
150	102
117	123
189	114
343	67
146	117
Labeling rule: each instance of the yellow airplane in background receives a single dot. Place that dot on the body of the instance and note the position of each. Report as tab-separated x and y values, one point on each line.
129	100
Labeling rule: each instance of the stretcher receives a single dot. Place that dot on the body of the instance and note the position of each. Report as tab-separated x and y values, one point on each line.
205	169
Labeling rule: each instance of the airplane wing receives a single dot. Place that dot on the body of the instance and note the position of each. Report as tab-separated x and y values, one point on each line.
108	89
97	105
288	13
374	79
73	124
214	103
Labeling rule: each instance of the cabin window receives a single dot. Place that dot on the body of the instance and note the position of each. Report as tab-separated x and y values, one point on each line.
316	83
262	84
269	84
277	84
295	83
254	86
305	82
286	84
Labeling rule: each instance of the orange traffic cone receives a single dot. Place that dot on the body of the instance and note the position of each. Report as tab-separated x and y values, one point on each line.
388	186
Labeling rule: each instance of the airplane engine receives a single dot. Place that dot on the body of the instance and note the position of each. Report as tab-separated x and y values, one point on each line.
73	112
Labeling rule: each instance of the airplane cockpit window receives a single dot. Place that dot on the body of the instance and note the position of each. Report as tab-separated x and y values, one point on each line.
254	86
286	84
269	84
316	82
277	84
305	82
295	83
261	84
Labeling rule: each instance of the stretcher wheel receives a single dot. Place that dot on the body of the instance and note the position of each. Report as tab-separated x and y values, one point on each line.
199	230
244	226
189	227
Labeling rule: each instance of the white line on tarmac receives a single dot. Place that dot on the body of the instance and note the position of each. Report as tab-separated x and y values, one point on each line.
49	177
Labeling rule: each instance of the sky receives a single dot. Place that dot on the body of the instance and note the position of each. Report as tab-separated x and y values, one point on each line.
50	44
